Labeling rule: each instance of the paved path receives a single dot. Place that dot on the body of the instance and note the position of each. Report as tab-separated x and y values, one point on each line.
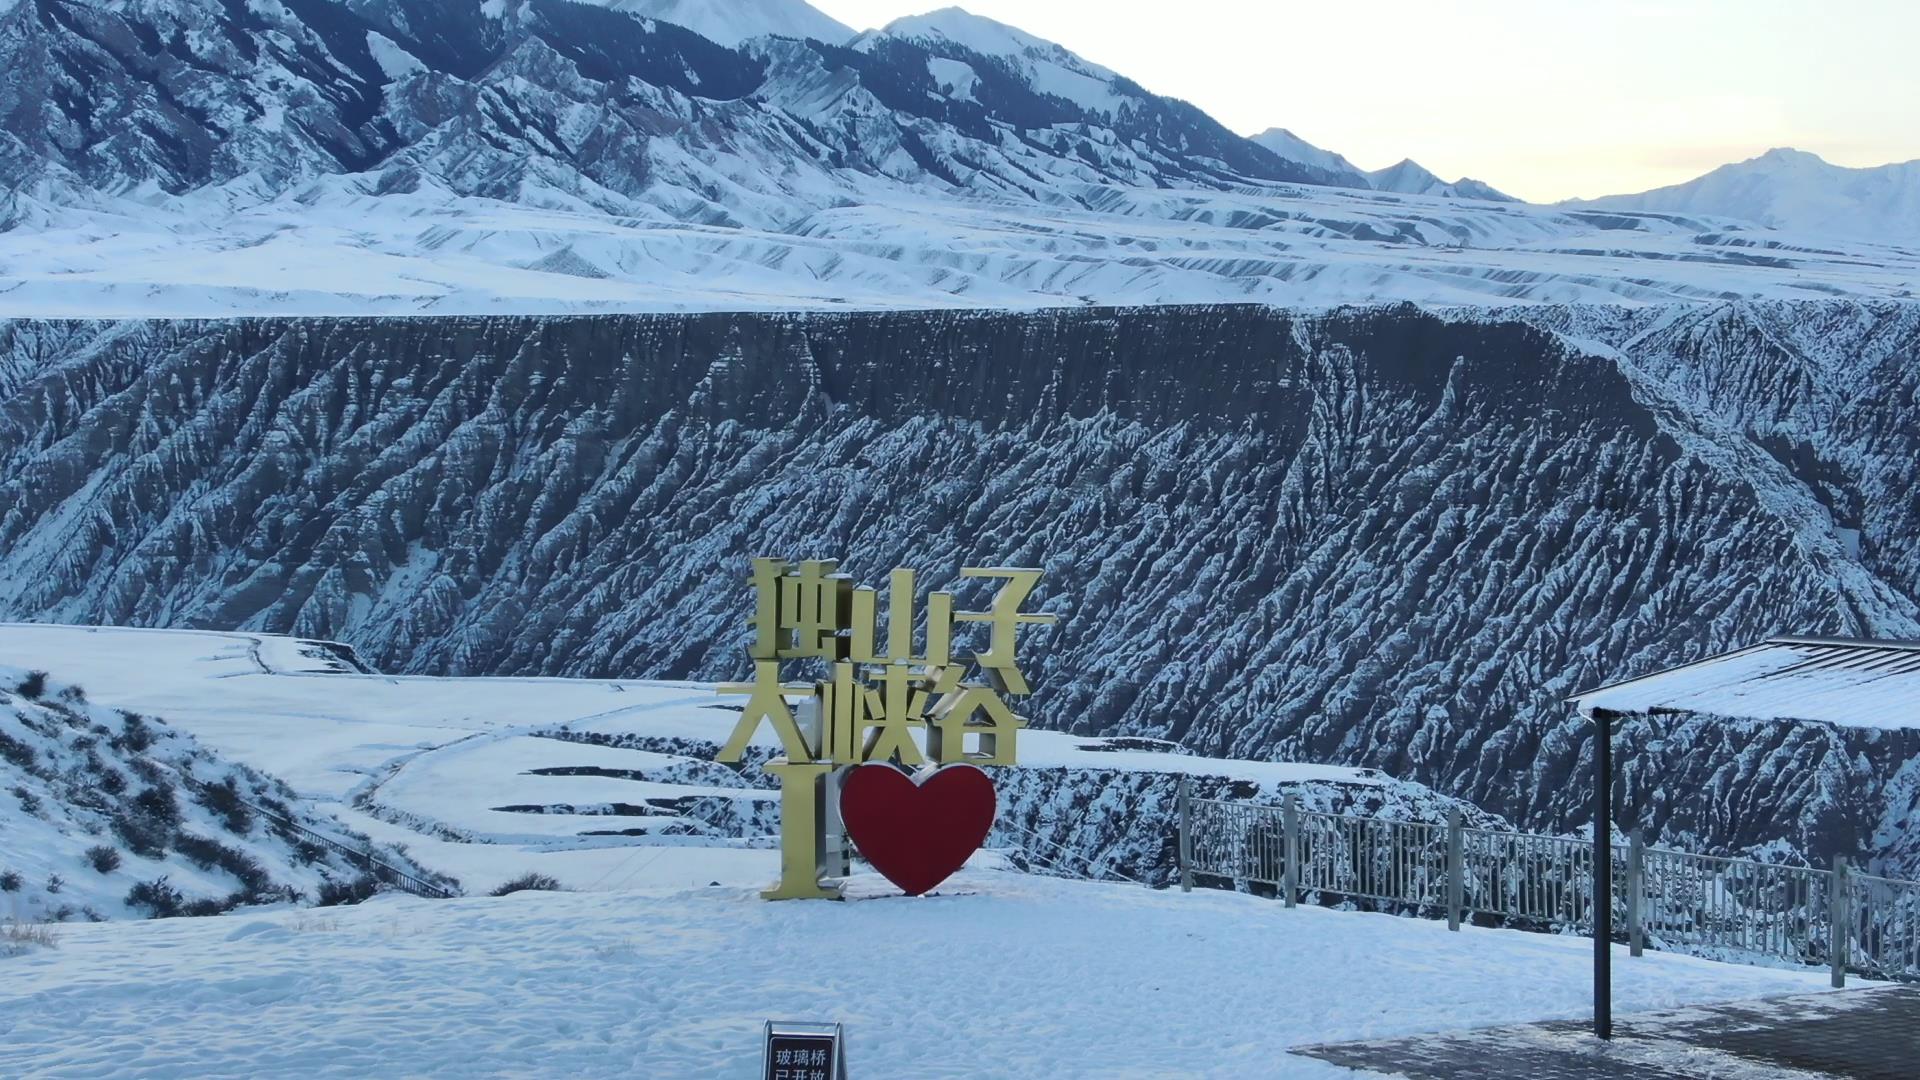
1871	1034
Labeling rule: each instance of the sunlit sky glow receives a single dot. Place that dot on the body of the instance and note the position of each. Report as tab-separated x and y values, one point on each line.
1545	99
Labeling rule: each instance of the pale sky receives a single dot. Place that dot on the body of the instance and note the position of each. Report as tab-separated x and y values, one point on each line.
1544	99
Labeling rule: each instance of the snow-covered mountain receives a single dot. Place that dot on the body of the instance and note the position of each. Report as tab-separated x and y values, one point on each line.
1797	191
1378	537
1411	178
1406	178
734	22
198	158
1294	148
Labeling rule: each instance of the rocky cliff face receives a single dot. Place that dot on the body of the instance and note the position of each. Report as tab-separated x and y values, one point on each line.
1379	537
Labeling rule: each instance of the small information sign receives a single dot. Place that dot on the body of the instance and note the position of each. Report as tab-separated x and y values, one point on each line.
804	1051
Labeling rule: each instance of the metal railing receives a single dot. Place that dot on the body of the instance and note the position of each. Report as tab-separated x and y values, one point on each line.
1740	910
382	871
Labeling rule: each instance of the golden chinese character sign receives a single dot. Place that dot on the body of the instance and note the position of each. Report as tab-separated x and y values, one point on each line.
846	754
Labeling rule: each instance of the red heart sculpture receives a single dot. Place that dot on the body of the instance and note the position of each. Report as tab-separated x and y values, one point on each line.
917	829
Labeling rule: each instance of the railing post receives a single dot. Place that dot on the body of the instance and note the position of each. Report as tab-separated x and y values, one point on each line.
1837	921
1290	828
1185	799
1636	889
1456	869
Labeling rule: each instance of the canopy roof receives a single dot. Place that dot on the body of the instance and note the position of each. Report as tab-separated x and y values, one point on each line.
1845	682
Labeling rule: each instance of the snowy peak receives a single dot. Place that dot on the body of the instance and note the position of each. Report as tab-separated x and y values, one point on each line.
1409	177
1290	147
991	38
732	22
1793	189
956	35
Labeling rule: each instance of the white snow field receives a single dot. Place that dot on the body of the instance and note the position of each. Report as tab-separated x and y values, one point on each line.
999	975
332	249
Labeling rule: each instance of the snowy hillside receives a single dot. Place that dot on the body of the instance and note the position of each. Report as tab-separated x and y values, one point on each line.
109	813
450	156
1797	192
1033	979
1373	538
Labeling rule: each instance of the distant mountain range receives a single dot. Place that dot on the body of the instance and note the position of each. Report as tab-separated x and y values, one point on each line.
202	157
1796	191
1406	178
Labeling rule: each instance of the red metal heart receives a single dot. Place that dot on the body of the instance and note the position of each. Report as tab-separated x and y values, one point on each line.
917	830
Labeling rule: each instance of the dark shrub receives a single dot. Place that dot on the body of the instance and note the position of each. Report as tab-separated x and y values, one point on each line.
142	837
73	695
208	854
112	780
158	805
103	858
159	898
10	881
205	906
28	800
251	875
203	852
146	769
333	893
134	735
55	883
223	800
15	751
61	913
34	685
528	882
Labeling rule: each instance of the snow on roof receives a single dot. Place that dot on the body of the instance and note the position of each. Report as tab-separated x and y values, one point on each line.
1839	681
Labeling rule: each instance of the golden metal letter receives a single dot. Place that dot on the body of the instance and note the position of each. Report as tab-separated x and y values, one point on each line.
800	831
1004	619
768	702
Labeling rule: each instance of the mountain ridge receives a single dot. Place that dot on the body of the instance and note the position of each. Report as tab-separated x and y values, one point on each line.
742	20
431	156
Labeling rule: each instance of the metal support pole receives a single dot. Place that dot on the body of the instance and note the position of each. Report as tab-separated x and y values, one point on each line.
1456	869
836	855
1602	898
1290	828
832	859
1636	892
1837	916
1185	801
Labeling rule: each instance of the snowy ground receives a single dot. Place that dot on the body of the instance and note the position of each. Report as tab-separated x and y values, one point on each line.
334	250
1002	975
428	762
662	961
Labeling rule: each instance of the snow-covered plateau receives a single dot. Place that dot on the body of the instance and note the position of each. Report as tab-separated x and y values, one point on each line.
198	158
659	958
